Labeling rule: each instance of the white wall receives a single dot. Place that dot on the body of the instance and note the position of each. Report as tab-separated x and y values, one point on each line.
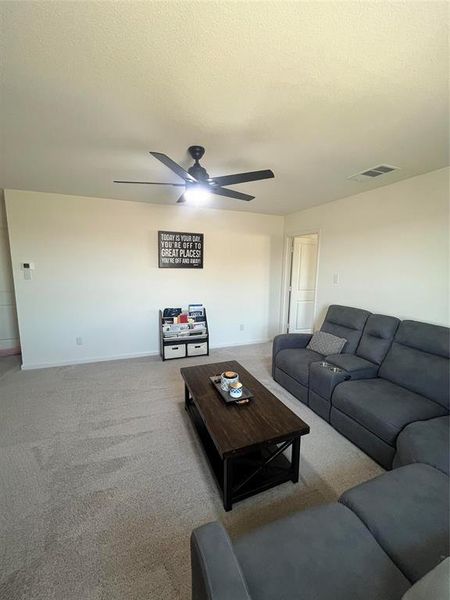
96	275
390	247
9	335
96	270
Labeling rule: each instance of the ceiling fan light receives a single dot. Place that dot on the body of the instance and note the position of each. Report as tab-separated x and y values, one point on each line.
196	194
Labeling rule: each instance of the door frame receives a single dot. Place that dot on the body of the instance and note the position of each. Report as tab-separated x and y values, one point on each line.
287	271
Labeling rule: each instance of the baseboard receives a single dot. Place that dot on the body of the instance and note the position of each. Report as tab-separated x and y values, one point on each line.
247	343
95	359
84	361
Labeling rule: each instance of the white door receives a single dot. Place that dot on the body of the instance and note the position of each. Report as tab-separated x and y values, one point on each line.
303	284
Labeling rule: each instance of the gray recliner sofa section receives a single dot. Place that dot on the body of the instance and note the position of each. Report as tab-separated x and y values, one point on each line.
291	359
382	537
412	385
396	374
376	340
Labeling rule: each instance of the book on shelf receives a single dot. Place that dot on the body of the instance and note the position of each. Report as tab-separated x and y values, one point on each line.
196	310
185	334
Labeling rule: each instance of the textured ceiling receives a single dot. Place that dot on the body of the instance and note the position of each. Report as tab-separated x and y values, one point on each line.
314	90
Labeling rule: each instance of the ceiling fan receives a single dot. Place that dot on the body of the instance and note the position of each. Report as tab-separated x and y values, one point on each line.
198	184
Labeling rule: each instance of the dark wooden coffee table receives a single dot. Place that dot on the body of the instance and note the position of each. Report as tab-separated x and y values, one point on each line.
244	444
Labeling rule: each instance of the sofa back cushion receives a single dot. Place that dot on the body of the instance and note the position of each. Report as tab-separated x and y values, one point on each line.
419	360
345	322
377	337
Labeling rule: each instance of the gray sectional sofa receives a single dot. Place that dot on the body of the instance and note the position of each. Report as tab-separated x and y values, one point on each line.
385	539
392	374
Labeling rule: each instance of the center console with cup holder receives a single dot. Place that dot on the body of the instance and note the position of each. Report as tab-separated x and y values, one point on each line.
323	378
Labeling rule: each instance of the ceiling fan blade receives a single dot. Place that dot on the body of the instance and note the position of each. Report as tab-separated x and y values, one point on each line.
172	165
150	183
181	199
230	193
243	177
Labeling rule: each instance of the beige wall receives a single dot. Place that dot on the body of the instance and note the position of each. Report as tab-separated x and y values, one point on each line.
96	275
9	335
389	247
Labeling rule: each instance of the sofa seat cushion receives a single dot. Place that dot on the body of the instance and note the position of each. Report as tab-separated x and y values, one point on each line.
295	362
406	510
382	407
369	443
359	368
324	552
425	442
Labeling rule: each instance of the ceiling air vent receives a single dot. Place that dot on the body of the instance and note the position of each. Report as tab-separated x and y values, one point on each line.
373	172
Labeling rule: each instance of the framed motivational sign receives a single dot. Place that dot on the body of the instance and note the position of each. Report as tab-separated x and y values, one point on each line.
180	250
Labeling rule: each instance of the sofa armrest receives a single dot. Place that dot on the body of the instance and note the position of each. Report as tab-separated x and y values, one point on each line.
216	574
288	340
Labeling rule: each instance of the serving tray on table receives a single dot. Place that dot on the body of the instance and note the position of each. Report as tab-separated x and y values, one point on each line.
244	399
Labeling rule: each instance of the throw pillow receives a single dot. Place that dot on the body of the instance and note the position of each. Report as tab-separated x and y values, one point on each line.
326	343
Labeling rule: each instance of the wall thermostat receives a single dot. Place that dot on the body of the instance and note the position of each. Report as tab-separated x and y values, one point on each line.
27	268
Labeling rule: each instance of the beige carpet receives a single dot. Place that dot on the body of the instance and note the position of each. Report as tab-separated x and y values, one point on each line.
102	478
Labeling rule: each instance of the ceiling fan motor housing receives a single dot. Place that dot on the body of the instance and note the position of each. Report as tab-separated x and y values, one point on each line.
197	170
196	152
